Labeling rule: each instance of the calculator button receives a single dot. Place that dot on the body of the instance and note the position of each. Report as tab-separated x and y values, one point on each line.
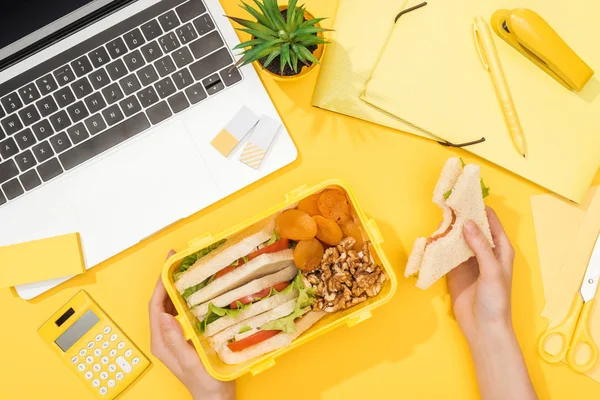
74	360
120	345
111	383
104	360
112	368
81	367
89	359
97	367
113	337
96	382
119	375
99	337
88	375
90	345
97	352
113	352
107	330
135	361
104	375
123	364
103	390
82	352
128	353
105	345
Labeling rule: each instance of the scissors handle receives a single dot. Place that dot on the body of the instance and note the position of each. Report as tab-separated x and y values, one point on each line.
565	330
581	337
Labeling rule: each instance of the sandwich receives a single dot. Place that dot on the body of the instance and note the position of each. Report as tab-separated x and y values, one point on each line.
459	193
253	253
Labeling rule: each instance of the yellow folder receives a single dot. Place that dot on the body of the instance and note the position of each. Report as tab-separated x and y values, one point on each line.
430	75
361	30
40	260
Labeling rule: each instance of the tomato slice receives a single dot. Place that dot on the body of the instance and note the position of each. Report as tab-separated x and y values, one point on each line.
281	244
259	295
227	270
251	340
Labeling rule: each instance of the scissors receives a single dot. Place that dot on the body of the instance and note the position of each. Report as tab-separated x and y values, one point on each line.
574	330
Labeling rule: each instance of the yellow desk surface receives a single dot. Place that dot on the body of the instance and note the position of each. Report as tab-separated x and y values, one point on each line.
411	348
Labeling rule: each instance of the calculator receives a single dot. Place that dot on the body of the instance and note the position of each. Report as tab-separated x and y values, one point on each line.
94	347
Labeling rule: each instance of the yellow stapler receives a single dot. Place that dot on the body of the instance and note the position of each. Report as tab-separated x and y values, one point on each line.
533	37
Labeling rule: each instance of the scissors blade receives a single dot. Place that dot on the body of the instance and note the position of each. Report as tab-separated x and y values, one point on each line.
592	274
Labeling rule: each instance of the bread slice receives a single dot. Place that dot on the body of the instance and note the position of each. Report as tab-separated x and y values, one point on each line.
276	342
258	267
235	247
286	274
257	308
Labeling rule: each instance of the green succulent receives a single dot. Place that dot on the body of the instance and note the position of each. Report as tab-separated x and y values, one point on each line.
273	36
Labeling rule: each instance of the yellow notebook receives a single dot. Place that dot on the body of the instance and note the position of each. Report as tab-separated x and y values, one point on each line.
356	45
430	74
40	260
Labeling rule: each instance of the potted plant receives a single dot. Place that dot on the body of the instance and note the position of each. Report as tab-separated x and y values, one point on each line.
286	40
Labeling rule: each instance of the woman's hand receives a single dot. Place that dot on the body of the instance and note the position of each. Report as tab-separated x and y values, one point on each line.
168	344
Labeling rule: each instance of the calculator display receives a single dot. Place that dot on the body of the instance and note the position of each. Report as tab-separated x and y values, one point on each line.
77	330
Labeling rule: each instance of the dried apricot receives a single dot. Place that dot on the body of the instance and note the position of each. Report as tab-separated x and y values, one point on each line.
295	225
328	231
309	205
350	229
308	254
333	204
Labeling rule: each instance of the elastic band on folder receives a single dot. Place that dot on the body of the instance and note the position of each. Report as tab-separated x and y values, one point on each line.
448	144
401	13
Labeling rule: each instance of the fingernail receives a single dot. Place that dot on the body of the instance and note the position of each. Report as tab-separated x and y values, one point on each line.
470	228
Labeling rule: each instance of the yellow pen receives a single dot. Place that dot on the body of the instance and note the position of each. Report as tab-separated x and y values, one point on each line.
491	61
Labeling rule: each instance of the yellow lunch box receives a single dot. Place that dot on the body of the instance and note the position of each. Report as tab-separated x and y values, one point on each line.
349	317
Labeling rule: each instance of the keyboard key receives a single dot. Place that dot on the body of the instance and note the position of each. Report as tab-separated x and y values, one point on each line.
81	66
82	87
116	70
95	124
113	115
46	84
43	151
230	75
25	139
12	189
165	66
147	96
168	21
206	44
29	93
147	75
169	42
151	51
130	84
104	141
29	115
11	103
182	57
213	84
77	111
165	87
95	102
30	180
64	75
60	142
186	33
25	160
2	134
204	24
99	57
134	60
47	106
134	39
159	112
209	64
8	170
64	97
178	102
182	78
196	93
99	78
8	148
50	169
112	93
190	10
77	133
116	48
42	130
2	198
60	121
2	113
12	124
130	106
151	30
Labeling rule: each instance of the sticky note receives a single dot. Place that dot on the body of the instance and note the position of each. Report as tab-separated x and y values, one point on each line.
234	132
40	260
261	138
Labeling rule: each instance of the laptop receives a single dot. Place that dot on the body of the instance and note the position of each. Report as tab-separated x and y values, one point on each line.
107	111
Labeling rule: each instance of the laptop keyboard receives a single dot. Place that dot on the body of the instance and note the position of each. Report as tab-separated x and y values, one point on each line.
107	89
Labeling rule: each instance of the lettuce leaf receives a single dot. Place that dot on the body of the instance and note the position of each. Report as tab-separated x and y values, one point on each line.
245	329
188	261
215	312
274	237
193	289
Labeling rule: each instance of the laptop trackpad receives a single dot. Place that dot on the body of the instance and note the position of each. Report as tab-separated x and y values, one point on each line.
139	190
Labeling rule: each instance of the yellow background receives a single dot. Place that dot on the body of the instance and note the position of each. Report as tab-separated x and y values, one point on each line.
411	348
